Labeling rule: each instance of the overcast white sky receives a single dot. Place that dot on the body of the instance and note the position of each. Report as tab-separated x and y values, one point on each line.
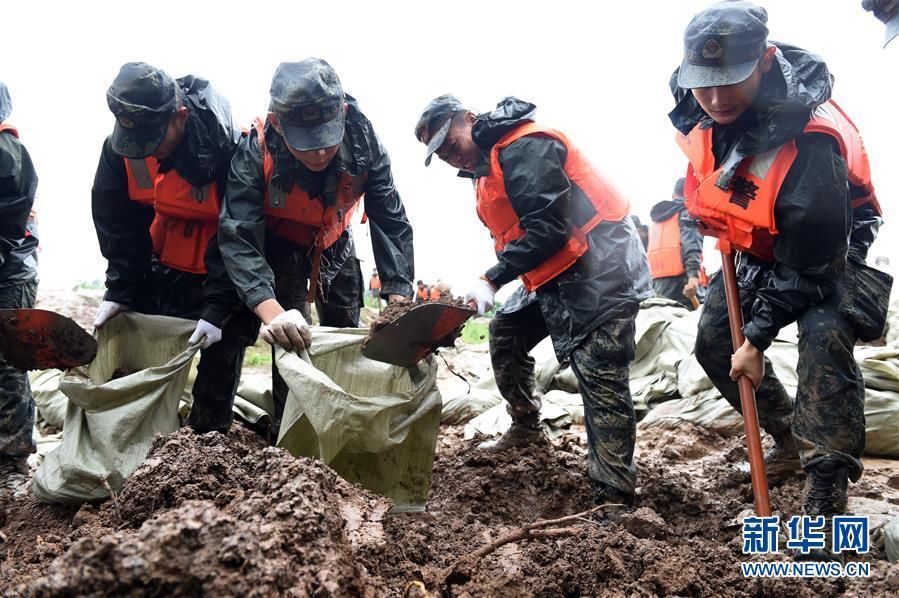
596	70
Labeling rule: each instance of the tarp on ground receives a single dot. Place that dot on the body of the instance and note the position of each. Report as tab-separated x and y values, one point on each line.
670	387
110	423
375	424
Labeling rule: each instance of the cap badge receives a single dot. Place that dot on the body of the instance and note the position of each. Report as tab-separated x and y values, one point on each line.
712	50
126	122
311	112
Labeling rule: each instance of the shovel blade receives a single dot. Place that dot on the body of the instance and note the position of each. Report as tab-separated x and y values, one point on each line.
37	339
415	334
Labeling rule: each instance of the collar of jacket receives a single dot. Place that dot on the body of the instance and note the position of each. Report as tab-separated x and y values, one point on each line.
290	171
482	168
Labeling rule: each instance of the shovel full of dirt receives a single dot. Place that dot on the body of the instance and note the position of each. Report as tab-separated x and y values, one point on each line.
37	339
406	332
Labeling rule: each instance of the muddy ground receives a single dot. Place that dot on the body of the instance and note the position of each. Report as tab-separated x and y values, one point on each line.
229	516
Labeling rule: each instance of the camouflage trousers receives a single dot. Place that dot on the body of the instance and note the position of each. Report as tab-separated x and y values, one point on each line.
339	308
601	364
16	401
827	419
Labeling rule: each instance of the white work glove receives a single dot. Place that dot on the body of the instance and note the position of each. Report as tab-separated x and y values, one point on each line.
481	293
108	310
205	334
288	330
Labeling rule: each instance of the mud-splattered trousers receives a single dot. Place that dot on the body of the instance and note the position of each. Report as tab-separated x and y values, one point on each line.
601	364
828	417
338	302
16	401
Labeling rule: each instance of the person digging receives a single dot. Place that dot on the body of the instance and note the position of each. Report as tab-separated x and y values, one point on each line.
564	230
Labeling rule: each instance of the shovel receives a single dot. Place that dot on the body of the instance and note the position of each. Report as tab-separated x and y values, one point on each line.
418	332
37	339
747	392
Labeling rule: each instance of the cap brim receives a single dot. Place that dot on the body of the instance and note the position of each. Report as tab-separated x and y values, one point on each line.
693	76
306	139
136	143
892	29
438	139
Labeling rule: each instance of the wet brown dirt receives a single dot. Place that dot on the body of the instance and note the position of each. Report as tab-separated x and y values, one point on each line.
229	516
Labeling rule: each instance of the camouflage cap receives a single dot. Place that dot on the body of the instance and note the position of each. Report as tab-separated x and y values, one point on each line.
308	100
143	99
723	44
5	102
434	123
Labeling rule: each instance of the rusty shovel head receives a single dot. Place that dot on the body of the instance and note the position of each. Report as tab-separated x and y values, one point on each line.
418	332
37	339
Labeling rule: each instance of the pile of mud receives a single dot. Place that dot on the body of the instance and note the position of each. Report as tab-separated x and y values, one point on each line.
211	514
229	516
682	539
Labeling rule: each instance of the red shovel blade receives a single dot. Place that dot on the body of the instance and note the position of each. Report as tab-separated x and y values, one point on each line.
37	339
415	334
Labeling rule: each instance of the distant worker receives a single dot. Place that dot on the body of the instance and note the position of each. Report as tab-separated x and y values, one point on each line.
675	251
435	291
374	285
421	292
642	230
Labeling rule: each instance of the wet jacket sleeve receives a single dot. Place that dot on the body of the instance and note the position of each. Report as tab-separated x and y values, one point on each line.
123	228
18	183
242	226
540	193
814	218
219	294
391	233
690	244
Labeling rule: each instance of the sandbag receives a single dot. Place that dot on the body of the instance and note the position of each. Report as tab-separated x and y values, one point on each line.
881	423
375	424
110	424
891	540
48	399
462	408
707	409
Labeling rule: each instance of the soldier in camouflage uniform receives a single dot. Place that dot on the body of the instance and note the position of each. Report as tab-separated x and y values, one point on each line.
18	288
585	300
752	98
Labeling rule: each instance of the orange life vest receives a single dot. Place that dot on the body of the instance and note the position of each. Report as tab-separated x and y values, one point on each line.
496	212
743	214
303	219
422	293
664	251
435	293
374	283
186	216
